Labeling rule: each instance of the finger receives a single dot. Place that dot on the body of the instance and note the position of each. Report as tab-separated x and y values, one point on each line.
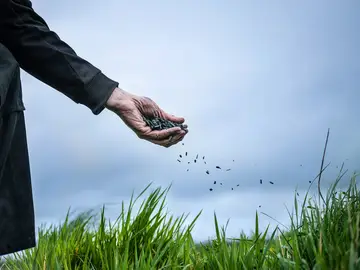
167	142
159	135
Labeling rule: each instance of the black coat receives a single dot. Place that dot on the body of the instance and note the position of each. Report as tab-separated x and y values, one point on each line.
27	42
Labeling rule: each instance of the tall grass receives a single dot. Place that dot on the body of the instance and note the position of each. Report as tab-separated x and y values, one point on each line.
323	234
319	237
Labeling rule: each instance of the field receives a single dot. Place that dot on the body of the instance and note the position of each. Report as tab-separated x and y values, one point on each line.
324	234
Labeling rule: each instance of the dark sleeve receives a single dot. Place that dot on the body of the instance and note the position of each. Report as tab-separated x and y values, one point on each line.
41	53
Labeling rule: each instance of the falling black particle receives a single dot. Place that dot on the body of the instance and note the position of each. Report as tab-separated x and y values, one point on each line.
228	170
188	162
205	162
310	182
232	188
180	156
203	157
221	184
237	185
217	167
259	206
261	181
195	160
185	153
233	160
179	160
211	189
197	156
207	172
300	165
297	193
182	143
271	182
214	182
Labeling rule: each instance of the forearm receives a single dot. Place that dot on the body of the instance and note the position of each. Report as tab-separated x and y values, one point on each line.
41	53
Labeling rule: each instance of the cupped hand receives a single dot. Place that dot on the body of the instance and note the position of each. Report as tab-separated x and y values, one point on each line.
132	109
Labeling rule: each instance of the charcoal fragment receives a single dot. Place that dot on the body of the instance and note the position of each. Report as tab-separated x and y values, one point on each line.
310	182
297	193
221	184
232	188
211	189
187	170
185	153
228	170
271	182
261	181
204	162
178	160
207	172
195	160
180	156
203	157
237	185
188	162
218	167
214	182
197	156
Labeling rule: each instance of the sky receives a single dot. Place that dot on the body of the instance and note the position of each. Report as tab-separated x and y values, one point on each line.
258	82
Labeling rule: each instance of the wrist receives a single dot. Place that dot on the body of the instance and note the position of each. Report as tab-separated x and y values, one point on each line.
116	96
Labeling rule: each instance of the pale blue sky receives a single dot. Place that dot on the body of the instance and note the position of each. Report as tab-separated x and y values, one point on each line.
259	82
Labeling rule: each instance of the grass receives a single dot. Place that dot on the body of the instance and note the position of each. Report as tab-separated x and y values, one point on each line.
323	234
319	237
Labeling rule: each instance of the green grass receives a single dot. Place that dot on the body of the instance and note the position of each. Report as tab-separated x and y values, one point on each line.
321	235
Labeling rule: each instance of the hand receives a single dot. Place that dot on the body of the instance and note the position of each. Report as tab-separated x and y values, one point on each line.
132	108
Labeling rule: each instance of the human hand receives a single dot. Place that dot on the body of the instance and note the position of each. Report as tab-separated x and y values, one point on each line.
132	109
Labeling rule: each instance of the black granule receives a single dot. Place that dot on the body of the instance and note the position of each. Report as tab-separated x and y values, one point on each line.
310	182
260	181
221	184
195	160
232	188
185	153
214	182
297	193
228	170
187	170
204	162
271	182
160	124
217	167
197	156
178	160
211	189
180	156
188	162
203	157
237	185
207	172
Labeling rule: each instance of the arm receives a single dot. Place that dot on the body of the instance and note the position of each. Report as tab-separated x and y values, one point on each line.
41	53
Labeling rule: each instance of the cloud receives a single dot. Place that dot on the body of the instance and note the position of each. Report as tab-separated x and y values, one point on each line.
256	83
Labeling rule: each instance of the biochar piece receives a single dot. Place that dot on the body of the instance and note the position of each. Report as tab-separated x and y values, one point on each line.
188	162
228	170
179	160
218	167
185	153
271	182
232	188
259	206
183	144
297	193
160	124
233	160
310	182
261	181
204	162
197	156
214	182
237	185
221	184
203	157
207	172
194	160
211	189
187	170
180	156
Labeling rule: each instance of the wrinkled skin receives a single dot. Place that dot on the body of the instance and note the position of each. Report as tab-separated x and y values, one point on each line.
131	109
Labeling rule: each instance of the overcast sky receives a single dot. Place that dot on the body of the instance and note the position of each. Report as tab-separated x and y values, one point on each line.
258	82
